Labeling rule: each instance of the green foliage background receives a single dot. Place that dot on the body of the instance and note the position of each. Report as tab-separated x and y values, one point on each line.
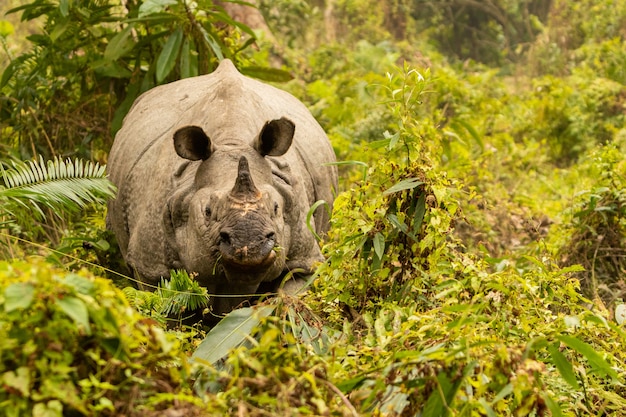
477	255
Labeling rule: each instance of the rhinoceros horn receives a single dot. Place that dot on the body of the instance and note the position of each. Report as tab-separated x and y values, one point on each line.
246	239
244	189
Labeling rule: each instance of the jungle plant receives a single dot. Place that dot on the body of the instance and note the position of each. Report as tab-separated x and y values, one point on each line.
70	93
71	345
177	300
597	232
34	191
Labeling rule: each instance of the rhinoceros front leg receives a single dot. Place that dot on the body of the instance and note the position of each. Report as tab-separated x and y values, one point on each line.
229	297
294	285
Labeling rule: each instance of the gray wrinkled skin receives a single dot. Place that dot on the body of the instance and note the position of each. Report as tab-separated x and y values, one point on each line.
216	175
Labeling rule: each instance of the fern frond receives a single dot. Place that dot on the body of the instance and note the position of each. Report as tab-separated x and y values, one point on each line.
181	293
56	184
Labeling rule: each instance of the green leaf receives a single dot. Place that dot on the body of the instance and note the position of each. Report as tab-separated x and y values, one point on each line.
487	407
593	357
185	60
230	332
420	210
60	29
149	7
167	58
310	214
9	71
350	384
379	245
58	185
18	296
53	408
436	404
553	406
564	367
76	309
64	7
407	184
212	43
120	44
80	284
19	380
267	74
110	69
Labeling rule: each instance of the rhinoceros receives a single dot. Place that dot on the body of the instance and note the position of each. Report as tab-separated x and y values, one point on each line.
216	175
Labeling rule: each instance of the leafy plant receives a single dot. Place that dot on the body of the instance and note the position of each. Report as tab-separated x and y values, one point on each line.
597	232
56	185
70	344
92	59
37	193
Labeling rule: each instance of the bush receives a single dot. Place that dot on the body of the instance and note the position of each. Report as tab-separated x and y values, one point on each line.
70	344
596	232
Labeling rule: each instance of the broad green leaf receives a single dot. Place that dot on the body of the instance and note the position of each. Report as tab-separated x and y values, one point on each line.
225	18
487	407
64	7
594	358
435	405
420	210
553	406
18	296
393	139
76	309
377	144
407	184
185	60
213	44
379	245
120	44
167	58
53	408
350	384
19	380
80	284
267	74
149	7
504	392
230	332
59	30
9	71
563	365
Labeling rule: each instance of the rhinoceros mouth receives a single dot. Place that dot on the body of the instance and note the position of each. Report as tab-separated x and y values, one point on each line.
237	273
245	263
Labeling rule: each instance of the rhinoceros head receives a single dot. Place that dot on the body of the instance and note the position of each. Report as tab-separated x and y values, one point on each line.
232	226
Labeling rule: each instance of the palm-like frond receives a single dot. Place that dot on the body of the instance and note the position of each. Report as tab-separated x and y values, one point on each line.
181	293
56	184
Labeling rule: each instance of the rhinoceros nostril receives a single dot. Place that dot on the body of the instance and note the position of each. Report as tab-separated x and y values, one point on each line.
270	236
225	238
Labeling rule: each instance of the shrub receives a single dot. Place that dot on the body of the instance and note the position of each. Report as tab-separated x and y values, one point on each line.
71	345
596	232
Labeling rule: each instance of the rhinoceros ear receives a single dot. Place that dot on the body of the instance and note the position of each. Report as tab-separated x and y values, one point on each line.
192	143
276	137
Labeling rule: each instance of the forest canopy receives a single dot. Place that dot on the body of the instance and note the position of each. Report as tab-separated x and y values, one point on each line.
477	253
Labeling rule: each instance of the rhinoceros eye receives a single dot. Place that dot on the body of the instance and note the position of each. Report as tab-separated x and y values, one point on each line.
207	212
275	209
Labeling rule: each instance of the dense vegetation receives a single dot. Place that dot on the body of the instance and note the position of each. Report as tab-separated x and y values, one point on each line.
477	255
